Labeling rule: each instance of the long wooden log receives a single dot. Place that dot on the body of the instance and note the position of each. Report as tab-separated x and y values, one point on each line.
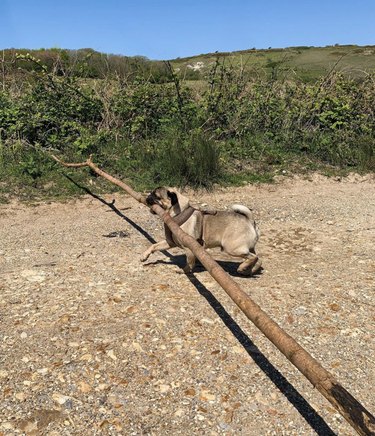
351	409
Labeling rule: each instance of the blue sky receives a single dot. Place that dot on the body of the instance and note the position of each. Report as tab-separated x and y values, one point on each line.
165	29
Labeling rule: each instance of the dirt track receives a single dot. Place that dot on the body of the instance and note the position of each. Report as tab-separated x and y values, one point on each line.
94	342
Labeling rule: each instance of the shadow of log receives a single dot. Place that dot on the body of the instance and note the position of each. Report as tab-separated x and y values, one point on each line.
315	421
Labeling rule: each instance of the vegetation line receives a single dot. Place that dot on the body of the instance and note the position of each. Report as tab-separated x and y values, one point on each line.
237	122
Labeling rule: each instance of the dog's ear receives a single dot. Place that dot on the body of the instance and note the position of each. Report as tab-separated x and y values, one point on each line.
173	196
182	201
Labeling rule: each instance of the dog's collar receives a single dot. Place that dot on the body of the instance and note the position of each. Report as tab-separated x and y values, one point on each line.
180	219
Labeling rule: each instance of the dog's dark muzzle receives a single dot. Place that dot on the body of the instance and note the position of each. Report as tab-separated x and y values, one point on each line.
151	200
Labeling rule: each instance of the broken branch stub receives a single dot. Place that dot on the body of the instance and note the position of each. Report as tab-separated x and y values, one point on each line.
353	411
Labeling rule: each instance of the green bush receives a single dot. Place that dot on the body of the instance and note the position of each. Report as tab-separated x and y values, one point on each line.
168	133
190	159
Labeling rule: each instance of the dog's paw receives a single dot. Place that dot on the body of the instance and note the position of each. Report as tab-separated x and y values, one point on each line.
186	270
245	272
257	267
144	257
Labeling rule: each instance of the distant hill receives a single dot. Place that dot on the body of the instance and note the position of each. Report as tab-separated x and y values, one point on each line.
305	63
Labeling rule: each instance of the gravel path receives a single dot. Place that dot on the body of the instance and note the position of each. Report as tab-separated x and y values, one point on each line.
94	342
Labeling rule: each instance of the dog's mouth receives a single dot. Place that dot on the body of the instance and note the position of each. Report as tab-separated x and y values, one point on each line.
151	200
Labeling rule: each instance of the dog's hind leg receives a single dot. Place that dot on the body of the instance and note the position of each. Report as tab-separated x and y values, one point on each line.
250	266
251	263
247	267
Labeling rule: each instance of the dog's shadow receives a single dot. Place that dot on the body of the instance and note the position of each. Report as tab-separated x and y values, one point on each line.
180	260
308	413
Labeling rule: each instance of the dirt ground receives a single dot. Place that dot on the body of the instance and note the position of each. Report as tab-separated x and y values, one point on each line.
92	341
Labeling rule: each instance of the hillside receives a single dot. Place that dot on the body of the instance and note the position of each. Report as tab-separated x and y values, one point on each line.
307	63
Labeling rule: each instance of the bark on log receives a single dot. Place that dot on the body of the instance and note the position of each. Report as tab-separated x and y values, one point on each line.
351	409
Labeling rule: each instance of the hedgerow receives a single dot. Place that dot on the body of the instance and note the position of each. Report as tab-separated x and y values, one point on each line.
172	133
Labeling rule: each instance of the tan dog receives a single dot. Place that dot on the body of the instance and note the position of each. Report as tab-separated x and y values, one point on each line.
234	231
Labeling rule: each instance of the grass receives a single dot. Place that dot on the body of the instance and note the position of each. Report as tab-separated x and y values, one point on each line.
308	63
60	183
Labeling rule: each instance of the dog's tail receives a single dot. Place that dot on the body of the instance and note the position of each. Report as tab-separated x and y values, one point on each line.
243	210
246	212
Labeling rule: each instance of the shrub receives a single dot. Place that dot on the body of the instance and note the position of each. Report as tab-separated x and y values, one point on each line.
168	133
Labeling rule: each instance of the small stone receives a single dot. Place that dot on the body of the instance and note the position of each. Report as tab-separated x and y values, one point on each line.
64	319
130	309
86	357
206	396
111	354
102	386
23	335
335	307
261	399
179	412
301	310
238	349
69	404
20	396
73	344
84	387
137	347
207	321
59	398
116	401
164	388
117	298
7	425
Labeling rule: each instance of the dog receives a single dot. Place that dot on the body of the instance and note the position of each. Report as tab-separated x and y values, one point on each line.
235	231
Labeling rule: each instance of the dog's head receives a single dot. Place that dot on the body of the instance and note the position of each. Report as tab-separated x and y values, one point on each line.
169	199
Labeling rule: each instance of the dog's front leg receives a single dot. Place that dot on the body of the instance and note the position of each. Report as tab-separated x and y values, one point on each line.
159	246
190	261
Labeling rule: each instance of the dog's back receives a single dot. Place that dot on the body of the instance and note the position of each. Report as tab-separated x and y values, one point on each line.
224	227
